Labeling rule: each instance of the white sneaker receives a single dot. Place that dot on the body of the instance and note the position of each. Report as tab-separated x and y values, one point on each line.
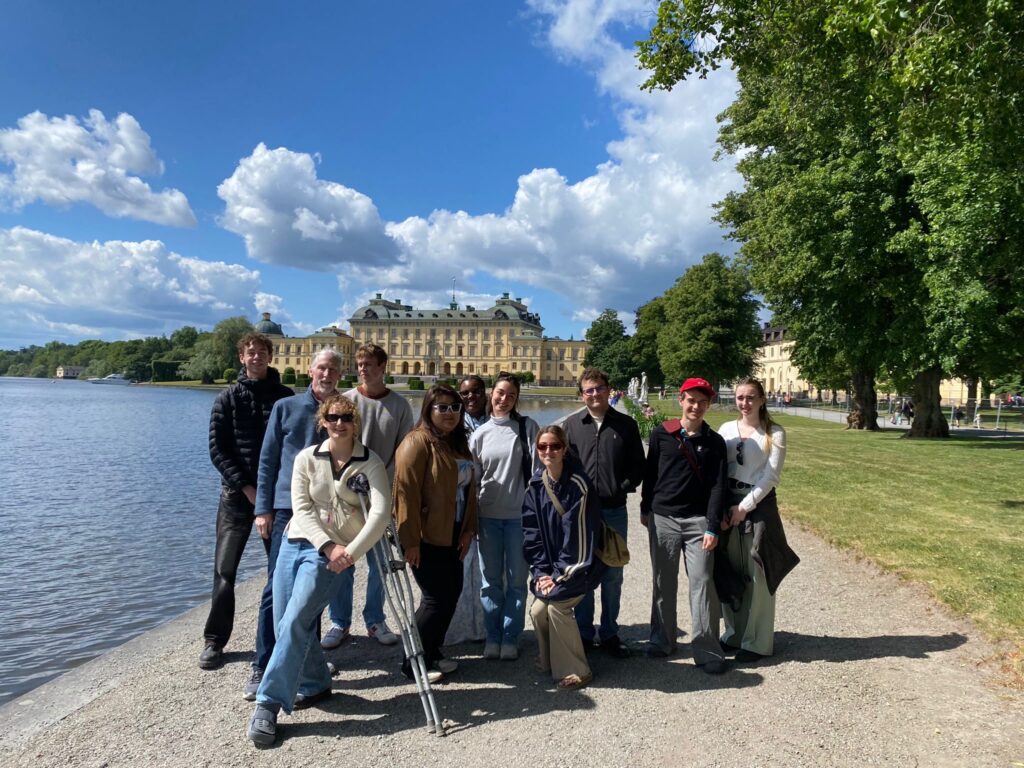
381	633
335	636
446	666
509	652
492	651
434	676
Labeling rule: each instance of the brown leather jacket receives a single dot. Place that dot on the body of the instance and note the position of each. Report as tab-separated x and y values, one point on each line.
426	483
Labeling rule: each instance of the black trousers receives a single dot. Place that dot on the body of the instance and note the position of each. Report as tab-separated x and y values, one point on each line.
439	577
234	524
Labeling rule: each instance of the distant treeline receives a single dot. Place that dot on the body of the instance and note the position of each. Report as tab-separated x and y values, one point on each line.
188	354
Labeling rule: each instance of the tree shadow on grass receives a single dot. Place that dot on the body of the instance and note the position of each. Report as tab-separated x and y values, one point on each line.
794	647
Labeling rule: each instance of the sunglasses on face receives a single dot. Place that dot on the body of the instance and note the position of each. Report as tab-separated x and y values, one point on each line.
447	407
595	390
549	447
345	418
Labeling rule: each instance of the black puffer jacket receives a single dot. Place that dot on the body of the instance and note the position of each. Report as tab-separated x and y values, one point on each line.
237	423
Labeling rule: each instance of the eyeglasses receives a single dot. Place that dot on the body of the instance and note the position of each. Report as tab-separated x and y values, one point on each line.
595	390
345	418
447	407
549	447
739	451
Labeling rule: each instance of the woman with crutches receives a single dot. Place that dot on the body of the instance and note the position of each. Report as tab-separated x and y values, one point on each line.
435	509
328	532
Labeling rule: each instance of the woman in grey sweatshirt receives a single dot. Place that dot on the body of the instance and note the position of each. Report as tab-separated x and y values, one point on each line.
502	450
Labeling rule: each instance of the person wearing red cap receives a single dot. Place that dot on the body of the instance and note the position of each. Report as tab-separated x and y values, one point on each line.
684	493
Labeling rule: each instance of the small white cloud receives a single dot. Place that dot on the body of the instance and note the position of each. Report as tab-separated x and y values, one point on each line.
115	288
61	161
287	215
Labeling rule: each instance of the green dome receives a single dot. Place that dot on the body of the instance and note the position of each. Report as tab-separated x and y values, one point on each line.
268	326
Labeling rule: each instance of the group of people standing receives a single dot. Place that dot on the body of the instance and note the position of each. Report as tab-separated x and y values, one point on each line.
488	506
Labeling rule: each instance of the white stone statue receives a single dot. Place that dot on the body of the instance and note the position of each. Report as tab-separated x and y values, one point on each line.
643	387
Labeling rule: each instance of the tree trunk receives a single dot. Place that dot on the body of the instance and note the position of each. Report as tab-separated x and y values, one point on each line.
865	400
929	420
817	397
835	398
972	395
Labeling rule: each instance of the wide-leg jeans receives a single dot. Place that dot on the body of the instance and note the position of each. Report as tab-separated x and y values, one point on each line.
503	573
302	588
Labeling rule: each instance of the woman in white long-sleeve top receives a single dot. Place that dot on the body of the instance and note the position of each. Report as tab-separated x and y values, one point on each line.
326	535
755	542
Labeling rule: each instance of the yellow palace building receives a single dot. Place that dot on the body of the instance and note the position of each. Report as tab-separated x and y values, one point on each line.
444	342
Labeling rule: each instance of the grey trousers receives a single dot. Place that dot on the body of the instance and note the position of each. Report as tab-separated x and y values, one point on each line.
669	537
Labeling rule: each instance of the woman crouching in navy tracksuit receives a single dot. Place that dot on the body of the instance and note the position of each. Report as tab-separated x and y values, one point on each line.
561	517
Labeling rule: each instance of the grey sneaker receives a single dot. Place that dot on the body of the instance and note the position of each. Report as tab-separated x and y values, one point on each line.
335	636
249	692
381	633
446	666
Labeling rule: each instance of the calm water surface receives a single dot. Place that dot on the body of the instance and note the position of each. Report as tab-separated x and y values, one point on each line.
107	516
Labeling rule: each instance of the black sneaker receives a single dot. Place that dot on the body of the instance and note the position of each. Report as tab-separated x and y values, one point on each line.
212	656
615	648
249	692
302	701
713	667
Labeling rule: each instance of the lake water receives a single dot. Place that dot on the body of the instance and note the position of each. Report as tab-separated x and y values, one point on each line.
108	503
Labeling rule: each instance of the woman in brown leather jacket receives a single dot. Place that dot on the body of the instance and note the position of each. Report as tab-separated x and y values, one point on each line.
436	511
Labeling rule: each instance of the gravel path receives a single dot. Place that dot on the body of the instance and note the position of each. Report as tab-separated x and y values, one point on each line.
867	671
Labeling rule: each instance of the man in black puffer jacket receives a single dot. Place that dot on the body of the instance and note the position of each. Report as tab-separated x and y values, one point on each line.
237	423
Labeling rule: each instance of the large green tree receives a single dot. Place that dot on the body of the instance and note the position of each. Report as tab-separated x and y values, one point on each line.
710	327
608	348
863	129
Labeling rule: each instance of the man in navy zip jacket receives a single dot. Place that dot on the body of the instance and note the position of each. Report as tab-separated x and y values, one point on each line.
291	428
681	506
238	421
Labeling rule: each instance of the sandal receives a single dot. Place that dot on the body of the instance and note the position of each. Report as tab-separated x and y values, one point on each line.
572	682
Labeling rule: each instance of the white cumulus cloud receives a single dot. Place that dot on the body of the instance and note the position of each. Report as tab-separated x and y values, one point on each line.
113	289
61	160
287	215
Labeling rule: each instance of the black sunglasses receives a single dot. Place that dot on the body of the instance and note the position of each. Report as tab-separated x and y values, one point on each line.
334	418
739	451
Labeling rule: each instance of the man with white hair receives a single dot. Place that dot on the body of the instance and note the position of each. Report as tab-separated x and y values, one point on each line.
291	427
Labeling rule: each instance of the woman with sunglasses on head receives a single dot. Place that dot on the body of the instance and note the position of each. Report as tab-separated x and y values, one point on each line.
327	533
504	460
435	508
561	516
753	536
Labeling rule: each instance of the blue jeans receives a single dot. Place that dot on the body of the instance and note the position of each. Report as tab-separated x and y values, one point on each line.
611	590
265	622
341	601
302	588
504	574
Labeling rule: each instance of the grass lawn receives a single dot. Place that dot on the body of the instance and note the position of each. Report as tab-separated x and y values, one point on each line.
948	514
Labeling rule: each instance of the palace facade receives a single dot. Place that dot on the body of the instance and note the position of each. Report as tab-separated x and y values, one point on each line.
780	374
444	342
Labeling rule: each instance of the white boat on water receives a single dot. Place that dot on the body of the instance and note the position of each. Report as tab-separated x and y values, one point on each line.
113	378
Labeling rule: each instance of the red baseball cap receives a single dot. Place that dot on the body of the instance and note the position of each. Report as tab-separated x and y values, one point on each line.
698	384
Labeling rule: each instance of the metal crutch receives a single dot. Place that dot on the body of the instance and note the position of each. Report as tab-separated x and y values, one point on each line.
399	596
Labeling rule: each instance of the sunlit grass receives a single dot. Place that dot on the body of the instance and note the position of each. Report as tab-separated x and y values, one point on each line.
948	514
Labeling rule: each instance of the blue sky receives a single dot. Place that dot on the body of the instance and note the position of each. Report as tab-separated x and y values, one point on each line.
171	164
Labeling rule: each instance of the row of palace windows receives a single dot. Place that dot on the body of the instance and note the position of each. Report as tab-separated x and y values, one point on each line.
406	368
431	333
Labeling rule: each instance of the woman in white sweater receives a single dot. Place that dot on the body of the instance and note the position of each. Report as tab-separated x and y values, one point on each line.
326	535
502	450
756	449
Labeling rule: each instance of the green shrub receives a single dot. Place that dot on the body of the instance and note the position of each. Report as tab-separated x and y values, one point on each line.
230	375
288	377
416	384
389	379
302	380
